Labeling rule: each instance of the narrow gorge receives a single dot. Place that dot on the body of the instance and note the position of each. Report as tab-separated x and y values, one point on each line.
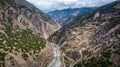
56	62
85	37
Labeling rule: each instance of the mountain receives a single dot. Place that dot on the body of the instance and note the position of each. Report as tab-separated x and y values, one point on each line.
23	30
67	15
92	39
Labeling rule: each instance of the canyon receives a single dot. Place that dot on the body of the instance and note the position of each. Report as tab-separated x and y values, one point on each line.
31	38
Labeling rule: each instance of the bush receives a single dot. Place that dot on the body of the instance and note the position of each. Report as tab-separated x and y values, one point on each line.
107	54
25	56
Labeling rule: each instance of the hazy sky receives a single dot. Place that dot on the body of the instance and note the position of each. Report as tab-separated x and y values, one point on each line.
50	5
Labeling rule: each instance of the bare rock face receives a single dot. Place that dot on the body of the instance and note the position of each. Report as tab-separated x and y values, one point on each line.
35	18
23	30
92	39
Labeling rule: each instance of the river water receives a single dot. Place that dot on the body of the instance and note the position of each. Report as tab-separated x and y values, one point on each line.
56	62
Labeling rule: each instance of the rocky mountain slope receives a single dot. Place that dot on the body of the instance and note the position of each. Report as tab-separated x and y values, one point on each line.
23	30
67	15
91	40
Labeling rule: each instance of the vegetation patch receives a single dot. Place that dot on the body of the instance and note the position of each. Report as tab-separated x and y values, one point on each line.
3	1
101	61
2	58
107	54
22	40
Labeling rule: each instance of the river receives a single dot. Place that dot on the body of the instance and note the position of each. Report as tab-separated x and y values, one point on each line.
56	62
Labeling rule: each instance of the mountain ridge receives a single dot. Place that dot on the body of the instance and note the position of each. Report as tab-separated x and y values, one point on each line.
65	16
90	38
23	33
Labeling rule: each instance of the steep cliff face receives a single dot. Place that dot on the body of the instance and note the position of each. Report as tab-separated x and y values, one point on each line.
23	29
91	40
65	16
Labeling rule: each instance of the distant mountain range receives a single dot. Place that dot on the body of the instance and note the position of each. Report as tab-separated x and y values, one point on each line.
67	15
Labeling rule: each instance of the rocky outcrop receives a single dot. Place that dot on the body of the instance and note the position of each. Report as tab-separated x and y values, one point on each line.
92	39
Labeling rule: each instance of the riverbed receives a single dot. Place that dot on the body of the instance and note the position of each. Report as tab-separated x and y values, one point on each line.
56	62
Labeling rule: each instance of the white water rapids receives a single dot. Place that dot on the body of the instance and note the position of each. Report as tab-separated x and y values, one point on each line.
56	62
